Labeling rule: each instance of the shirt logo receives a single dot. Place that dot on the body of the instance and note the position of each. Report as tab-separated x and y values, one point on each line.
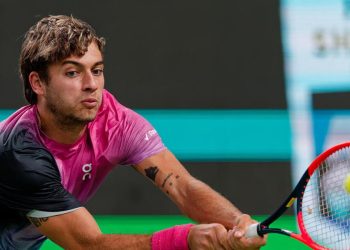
149	134
87	171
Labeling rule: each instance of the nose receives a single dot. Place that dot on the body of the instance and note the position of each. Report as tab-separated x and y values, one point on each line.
90	83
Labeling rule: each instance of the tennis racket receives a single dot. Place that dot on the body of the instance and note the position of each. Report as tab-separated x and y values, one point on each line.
323	204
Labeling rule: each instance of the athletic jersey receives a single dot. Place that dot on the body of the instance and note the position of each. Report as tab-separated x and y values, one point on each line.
40	177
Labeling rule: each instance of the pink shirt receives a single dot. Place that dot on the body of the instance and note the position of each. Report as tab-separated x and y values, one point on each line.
118	135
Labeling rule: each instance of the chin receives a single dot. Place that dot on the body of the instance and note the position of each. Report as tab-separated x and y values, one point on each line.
85	115
90	116
87	118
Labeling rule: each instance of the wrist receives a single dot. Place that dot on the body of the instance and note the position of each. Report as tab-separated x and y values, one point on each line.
174	238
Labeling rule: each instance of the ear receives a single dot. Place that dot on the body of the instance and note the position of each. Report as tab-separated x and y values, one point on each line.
36	83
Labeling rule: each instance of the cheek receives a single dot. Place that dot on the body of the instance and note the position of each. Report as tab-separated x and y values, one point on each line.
62	93
67	88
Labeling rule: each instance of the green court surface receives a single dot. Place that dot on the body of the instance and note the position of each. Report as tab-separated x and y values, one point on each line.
148	224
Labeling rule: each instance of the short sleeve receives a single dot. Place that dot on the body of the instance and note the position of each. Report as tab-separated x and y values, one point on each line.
30	182
141	139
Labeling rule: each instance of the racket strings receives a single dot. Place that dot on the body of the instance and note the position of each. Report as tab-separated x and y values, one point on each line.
325	204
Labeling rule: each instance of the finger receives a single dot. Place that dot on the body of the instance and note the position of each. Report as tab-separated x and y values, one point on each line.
222	238
234	242
236	232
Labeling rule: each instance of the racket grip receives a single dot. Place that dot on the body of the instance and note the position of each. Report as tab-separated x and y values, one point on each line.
252	231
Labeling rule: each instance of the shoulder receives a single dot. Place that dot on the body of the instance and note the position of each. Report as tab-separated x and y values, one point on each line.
113	111
19	127
109	102
22	155
29	167
20	134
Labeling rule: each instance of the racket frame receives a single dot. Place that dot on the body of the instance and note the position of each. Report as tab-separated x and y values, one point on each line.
296	195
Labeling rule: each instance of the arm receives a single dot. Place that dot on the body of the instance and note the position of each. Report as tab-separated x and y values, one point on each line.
202	204
193	197
78	230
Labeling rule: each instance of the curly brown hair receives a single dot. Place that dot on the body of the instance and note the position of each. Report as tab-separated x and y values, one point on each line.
51	40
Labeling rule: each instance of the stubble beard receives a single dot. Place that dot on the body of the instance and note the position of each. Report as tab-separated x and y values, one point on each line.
66	118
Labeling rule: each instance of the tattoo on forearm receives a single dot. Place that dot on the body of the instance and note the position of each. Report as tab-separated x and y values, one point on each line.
170	183
166	179
151	172
38	221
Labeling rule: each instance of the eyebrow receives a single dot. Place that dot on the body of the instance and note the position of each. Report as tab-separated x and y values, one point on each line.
79	64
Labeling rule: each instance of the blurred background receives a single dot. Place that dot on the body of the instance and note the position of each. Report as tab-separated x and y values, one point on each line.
245	93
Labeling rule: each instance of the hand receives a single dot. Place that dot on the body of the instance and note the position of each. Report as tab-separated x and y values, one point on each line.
236	235
216	237
208	237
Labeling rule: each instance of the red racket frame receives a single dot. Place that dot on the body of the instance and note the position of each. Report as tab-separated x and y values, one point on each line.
297	194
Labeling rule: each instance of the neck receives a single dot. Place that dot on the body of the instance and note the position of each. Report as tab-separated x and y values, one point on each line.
55	129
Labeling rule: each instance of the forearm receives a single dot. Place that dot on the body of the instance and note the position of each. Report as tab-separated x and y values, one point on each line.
203	204
173	238
120	242
78	230
194	198
104	241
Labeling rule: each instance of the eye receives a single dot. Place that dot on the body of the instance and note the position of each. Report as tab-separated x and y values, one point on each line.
97	71
71	74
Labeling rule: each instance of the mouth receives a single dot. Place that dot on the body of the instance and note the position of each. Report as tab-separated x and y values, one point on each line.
90	103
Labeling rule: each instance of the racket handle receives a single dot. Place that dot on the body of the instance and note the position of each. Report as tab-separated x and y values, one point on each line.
252	231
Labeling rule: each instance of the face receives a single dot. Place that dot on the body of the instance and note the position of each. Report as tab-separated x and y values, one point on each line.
73	93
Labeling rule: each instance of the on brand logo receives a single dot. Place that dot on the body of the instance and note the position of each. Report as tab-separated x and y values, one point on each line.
87	171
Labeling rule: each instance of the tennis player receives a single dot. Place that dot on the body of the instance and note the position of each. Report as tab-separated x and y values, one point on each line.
56	151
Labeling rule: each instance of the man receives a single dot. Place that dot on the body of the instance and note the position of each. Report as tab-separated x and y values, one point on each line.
55	152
